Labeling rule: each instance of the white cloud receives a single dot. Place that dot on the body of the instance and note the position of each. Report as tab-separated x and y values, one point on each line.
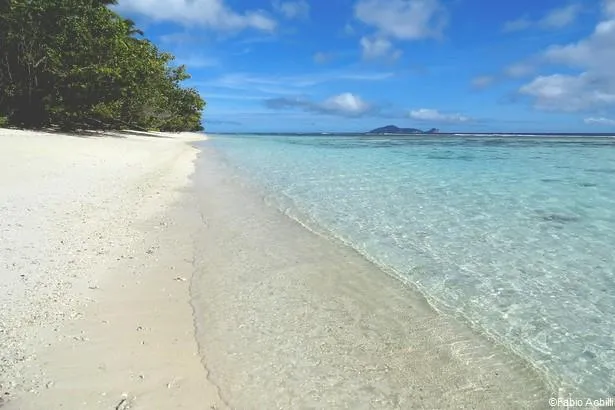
519	70
378	47
346	103
207	13
292	9
599	121
559	92
287	84
482	81
597	52
609	7
561	17
554	19
427	114
594	57
403	19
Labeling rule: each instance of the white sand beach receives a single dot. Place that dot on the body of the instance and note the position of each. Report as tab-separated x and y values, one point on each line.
95	268
127	283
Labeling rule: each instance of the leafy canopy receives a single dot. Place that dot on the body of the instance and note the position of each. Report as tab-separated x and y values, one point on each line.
76	64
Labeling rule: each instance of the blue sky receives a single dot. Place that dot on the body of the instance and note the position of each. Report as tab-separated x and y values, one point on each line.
354	65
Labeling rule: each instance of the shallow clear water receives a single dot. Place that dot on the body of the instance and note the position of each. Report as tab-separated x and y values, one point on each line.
513	234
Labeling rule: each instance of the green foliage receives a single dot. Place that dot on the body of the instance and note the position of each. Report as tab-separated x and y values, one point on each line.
76	63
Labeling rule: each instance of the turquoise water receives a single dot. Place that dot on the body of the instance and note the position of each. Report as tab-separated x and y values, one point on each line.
514	235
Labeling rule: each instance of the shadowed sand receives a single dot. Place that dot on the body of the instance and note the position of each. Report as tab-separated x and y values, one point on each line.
96	259
289	319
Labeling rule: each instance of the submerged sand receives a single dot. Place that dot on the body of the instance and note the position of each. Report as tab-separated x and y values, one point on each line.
290	319
96	262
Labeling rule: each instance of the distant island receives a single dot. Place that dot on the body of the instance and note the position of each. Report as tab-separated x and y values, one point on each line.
392	129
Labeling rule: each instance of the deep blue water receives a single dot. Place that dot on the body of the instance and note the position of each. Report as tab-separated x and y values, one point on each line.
514	235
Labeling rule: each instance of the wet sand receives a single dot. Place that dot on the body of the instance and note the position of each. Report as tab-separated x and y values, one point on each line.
290	319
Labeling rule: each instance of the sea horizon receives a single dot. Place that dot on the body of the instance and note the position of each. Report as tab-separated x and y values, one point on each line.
447	133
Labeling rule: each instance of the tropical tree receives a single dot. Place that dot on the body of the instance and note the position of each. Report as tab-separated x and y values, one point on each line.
77	63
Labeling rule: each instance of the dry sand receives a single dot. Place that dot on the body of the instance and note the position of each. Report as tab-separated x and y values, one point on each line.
96	259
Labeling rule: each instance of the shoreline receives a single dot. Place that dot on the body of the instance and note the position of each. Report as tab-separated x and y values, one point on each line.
551	382
468	255
95	294
172	284
349	334
288	209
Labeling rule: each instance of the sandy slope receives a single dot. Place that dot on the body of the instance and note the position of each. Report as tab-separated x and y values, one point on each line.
290	319
95	265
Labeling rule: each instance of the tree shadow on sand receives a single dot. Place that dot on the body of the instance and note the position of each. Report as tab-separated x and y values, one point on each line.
106	133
